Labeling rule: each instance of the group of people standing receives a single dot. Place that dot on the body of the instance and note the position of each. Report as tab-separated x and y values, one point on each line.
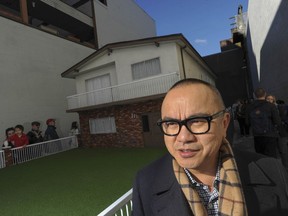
15	136
267	119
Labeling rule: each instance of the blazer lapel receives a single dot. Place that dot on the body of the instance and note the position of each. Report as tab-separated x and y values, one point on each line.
168	198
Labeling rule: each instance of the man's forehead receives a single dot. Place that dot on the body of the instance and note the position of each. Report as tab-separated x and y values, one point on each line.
190	91
192	98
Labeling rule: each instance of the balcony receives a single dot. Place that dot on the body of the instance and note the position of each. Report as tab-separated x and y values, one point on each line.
72	20
156	85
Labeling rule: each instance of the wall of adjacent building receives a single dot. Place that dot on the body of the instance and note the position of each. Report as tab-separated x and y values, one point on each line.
30	76
122	21
267	45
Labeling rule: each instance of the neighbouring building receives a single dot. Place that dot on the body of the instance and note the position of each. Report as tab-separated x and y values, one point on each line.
120	88
41	38
267	46
230	65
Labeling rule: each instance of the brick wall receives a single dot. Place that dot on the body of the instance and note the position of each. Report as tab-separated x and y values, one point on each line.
128	124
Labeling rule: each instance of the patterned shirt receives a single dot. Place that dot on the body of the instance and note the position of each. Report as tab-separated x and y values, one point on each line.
209	199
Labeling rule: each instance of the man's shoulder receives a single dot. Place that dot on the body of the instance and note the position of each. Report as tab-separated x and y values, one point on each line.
30	133
157	164
250	163
157	171
247	157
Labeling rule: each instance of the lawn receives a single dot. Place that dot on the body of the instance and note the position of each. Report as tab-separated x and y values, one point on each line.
73	183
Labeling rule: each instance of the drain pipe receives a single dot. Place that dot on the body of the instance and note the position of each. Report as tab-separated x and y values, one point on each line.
182	59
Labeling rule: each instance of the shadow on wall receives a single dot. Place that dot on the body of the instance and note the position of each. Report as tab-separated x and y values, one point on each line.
251	63
273	56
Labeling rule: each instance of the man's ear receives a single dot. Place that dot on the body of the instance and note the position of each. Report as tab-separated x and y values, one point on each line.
226	120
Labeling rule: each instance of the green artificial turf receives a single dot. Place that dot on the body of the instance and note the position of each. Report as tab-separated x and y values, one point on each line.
73	183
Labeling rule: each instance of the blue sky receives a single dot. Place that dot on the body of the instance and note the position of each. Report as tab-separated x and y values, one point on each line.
204	23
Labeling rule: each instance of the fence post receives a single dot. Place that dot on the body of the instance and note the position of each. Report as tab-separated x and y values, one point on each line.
8	157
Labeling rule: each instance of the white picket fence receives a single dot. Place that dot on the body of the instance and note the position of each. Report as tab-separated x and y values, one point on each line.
38	150
122	206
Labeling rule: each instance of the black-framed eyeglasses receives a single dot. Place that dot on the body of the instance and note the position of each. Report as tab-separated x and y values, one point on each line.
196	125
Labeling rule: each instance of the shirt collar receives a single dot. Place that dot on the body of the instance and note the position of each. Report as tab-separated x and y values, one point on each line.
216	180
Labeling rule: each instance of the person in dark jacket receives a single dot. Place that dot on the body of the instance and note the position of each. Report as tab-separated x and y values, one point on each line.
35	134
202	174
265	121
51	133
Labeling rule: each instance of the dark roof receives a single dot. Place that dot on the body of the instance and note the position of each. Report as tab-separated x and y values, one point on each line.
122	44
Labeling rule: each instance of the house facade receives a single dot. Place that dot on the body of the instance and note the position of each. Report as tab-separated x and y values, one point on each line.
120	88
41	38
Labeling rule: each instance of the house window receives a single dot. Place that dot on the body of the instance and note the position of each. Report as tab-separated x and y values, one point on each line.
102	125
146	69
103	2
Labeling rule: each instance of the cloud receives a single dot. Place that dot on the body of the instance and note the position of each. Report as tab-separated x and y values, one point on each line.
200	41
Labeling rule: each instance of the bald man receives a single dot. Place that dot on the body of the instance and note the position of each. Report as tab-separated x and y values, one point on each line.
201	175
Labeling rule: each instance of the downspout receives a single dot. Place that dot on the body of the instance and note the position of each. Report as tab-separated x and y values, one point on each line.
182	60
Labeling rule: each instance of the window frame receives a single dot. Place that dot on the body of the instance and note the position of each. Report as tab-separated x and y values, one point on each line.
145	65
107	125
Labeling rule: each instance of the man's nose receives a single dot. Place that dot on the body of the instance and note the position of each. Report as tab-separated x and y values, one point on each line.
185	136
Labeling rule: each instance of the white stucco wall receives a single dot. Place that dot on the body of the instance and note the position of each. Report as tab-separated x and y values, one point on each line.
122	21
124	58
118	64
194	68
30	76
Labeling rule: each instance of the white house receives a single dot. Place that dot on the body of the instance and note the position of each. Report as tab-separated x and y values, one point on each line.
120	88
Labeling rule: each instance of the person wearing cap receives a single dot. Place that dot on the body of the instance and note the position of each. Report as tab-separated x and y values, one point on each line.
50	133
35	134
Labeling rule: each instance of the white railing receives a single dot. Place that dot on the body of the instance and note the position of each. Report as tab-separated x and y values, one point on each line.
2	159
122	206
38	150
141	88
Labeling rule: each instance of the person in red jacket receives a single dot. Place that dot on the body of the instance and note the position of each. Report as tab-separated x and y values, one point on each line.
19	138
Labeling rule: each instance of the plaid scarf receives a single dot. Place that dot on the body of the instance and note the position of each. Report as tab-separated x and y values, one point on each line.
231	199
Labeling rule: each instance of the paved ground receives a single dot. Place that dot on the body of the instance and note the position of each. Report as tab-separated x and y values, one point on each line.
244	143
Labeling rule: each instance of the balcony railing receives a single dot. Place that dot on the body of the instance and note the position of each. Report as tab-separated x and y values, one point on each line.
137	89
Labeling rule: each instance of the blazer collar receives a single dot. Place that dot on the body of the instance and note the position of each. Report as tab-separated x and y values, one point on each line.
168	198
257	176
250	170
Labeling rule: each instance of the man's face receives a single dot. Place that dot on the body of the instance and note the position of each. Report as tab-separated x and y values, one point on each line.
52	123
195	152
35	127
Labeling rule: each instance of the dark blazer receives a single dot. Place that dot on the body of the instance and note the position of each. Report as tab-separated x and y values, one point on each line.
265	185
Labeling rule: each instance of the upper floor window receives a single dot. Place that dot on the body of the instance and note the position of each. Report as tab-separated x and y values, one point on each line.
103	2
146	69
